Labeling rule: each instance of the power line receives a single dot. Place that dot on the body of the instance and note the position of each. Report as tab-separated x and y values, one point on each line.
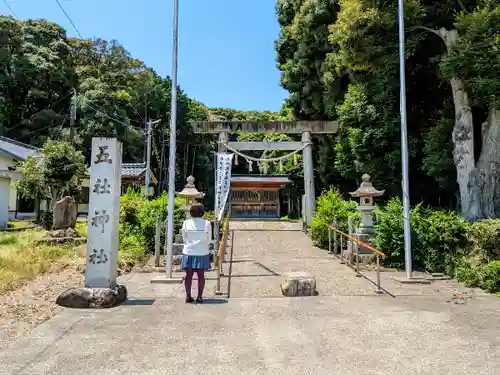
33	134
113	118
11	10
37	113
69	19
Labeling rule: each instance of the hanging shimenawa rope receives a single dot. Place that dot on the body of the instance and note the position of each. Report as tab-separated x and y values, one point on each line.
261	160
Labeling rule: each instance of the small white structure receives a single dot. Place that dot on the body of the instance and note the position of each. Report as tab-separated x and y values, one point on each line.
11	153
104	213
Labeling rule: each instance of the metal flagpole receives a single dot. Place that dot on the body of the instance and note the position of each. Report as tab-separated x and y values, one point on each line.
172	140
404	141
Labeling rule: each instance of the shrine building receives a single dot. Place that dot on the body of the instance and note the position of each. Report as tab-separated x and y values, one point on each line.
256	196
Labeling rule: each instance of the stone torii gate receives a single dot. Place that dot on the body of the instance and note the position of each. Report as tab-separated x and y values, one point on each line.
306	128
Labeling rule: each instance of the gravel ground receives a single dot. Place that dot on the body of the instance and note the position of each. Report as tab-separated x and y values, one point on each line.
262	259
29	306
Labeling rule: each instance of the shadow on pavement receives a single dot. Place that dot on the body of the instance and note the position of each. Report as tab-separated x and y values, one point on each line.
214	301
138	302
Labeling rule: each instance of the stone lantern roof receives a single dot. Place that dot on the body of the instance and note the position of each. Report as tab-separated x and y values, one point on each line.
366	189
190	190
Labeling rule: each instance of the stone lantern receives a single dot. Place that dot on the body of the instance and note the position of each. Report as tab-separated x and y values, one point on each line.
190	194
366	192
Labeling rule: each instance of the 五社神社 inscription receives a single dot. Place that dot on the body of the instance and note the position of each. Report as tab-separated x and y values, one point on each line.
104	209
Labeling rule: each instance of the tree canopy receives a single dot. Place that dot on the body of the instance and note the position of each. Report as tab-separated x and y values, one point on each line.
339	60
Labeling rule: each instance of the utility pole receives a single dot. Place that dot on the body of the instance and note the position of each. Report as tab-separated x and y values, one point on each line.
148	155
72	117
148	158
404	142
173	131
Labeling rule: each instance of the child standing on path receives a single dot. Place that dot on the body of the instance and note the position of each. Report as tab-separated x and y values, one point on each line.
197	236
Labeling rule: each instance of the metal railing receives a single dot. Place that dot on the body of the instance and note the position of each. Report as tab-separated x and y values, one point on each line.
356	243
221	251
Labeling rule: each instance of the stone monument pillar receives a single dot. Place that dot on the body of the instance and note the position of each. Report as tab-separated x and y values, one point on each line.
310	199
101	289
104	213
366	192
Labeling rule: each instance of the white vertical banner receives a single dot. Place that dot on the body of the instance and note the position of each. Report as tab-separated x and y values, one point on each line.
222	182
104	213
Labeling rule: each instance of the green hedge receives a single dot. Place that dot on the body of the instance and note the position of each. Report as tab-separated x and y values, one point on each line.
438	237
330	205
442	241
138	224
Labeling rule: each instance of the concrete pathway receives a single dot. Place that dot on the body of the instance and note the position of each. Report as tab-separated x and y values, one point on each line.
347	329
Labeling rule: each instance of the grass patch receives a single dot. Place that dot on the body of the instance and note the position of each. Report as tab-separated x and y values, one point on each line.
19	224
23	258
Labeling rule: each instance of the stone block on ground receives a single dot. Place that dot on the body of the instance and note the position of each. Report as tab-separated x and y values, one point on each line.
299	284
97	298
65	213
60	236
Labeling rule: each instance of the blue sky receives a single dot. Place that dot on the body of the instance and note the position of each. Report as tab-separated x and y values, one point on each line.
226	47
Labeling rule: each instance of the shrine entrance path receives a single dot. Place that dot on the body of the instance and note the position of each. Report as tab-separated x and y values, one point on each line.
347	329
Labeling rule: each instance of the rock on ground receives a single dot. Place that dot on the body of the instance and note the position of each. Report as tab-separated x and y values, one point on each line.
98	298
299	284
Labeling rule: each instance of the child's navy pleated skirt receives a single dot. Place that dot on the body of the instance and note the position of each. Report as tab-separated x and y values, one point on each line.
195	262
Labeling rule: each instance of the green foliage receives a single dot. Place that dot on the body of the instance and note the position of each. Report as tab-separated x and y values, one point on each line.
339	60
57	171
47	220
490	277
475	55
438	237
438	151
330	206
484	240
442	242
138	218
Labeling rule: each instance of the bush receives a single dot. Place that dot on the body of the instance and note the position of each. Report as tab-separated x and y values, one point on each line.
490	277
131	248
438	237
138	218
330	205
468	274
484	239
442	239
46	220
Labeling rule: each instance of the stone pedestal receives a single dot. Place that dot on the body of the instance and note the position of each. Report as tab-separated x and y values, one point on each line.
299	284
98	298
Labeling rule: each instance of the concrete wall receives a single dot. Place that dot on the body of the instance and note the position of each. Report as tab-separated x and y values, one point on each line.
4	202
5	163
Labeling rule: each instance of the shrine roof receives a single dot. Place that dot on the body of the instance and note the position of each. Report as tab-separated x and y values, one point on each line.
134	171
17	150
278	179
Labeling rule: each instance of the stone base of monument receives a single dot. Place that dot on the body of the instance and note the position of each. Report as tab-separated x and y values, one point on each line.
60	236
93	298
299	284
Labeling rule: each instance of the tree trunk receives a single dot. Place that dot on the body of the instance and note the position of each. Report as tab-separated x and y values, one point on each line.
37	210
463	148
485	178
